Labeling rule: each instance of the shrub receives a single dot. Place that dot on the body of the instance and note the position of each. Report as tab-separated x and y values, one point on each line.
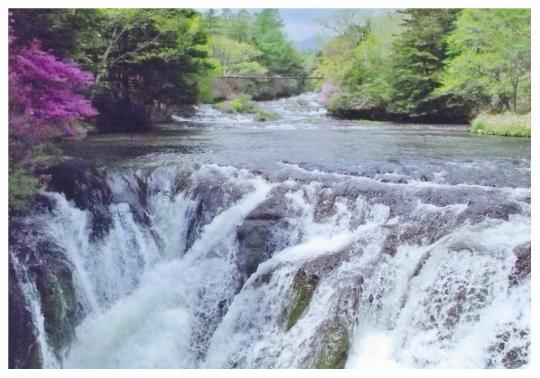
22	185
241	104
505	124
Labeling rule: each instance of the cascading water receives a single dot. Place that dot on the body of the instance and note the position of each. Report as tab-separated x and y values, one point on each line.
392	264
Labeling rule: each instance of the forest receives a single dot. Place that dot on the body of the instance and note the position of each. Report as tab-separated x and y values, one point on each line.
72	71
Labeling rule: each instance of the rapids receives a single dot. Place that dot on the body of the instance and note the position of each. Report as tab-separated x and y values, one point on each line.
304	242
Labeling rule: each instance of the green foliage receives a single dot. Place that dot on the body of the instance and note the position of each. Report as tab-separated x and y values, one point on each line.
429	62
235	58
246	43
46	154
490	59
252	45
278	53
251	69
505	124
359	60
241	104
342	101
337	55
205	84
419	55
150	58
22	186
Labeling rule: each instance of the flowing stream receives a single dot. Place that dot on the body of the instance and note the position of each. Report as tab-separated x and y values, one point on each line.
303	242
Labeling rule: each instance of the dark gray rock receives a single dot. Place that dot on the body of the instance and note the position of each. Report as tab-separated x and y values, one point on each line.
522	266
52	274
23	346
80	182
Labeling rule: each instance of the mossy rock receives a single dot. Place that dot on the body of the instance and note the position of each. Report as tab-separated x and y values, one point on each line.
335	348
263	116
241	104
304	286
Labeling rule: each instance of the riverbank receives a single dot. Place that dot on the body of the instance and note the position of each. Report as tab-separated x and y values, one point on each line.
506	124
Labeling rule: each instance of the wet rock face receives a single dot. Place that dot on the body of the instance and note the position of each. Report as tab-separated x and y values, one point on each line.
61	310
212	194
253	237
87	188
52	274
256	235
24	350
522	266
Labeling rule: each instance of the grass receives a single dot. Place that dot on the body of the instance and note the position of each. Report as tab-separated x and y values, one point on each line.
243	104
23	181
505	124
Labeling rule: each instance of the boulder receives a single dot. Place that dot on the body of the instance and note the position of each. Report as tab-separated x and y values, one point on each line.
303	287
335	348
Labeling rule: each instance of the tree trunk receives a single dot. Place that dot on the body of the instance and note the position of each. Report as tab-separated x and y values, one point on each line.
515	88
102	70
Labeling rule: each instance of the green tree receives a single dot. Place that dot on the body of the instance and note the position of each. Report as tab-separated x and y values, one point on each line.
358	59
490	59
278	53
239	26
235	57
419	55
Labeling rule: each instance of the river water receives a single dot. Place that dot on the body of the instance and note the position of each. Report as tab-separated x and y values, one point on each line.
302	242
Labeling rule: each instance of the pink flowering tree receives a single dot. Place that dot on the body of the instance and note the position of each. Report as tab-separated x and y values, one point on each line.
327	90
44	95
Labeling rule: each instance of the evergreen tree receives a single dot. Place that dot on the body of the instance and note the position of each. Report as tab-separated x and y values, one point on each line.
419	54
278	53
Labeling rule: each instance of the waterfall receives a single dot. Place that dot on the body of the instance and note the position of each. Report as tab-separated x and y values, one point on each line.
212	266
389	264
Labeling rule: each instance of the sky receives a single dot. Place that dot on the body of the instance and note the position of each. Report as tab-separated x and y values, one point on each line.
301	24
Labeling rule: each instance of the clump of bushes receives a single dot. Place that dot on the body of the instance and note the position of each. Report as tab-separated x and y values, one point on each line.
506	124
243	104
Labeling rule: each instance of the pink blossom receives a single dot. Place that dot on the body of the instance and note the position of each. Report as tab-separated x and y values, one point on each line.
46	90
327	90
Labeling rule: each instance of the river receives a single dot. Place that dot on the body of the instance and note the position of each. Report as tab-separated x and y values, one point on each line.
302	242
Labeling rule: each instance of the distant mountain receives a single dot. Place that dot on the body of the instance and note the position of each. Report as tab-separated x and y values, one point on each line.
310	43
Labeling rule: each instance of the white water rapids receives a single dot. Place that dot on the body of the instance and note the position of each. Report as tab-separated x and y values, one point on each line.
173	292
